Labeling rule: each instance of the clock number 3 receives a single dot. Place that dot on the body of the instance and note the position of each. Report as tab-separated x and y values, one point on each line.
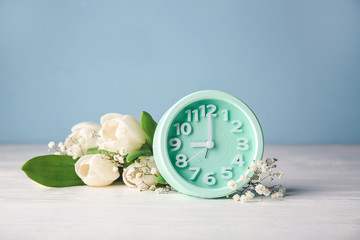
243	144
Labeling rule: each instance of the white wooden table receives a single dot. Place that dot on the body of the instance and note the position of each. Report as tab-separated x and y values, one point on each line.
323	202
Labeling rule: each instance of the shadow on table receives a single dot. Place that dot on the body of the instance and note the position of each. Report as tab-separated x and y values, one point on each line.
298	191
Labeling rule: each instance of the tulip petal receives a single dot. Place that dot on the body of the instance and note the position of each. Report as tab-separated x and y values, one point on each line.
110	116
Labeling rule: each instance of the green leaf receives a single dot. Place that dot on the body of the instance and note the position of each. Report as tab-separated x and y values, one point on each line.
160	180
135	154
145	147
148	125
96	150
52	171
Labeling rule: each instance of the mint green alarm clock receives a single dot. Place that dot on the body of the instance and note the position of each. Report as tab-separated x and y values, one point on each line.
205	140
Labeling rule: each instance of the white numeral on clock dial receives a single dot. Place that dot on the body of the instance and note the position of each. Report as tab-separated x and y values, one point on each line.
237	127
184	128
188	112
197	170
209	179
238	160
226	115
212	108
202	109
175	143
196	115
227	172
243	144
181	161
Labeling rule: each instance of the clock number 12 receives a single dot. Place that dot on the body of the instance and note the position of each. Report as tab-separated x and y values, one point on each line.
204	110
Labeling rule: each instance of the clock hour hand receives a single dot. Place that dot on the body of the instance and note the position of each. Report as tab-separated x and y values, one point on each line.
198	144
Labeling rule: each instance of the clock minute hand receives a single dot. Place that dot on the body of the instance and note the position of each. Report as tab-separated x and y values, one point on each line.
196	155
209	128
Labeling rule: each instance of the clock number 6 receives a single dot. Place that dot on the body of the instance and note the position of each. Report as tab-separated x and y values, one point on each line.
208	179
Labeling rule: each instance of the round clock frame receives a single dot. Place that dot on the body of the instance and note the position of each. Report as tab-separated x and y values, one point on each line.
161	151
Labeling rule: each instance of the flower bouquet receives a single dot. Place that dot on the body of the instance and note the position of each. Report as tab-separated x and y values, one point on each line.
98	154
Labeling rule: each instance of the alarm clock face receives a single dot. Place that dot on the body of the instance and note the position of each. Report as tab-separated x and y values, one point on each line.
208	139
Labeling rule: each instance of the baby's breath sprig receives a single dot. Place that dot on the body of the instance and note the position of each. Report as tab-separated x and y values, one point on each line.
260	183
57	149
117	157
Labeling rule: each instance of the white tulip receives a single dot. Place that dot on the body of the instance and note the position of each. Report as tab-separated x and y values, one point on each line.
140	173
120	133
96	170
84	136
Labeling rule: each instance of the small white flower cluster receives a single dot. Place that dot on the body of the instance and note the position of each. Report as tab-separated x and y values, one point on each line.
58	149
244	198
163	190
262	190
232	185
119	159
279	194
83	136
257	182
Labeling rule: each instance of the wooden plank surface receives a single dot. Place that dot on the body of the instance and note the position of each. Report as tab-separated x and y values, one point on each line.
323	202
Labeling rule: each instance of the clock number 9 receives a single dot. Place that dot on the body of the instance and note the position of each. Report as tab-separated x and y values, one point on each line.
181	161
175	143
208	179
243	144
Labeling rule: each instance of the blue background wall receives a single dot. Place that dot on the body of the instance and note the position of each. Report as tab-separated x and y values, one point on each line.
296	63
